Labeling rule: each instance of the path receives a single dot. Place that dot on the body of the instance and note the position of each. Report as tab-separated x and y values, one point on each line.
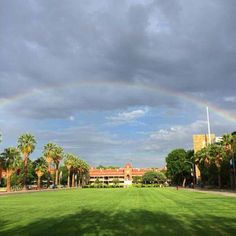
229	193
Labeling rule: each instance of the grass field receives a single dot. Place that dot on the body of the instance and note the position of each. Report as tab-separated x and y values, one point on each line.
133	211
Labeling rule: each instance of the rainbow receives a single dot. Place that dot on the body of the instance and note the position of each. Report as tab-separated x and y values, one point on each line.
138	85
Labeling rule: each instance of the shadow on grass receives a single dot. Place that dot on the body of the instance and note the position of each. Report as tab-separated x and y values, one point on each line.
137	222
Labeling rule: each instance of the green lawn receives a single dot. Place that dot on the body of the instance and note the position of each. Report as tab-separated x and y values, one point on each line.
133	211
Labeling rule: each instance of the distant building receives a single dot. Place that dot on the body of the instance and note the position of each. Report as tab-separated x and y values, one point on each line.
124	175
106	176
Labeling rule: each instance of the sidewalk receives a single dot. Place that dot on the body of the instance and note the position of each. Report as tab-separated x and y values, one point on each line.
224	192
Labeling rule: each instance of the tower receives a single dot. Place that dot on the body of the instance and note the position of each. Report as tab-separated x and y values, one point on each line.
128	174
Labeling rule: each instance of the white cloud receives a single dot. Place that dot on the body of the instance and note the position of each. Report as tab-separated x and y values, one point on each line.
71	118
230	99
127	117
177	136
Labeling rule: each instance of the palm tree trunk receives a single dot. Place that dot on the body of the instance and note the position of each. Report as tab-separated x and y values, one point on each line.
73	180
8	189
49	174
76	180
59	179
57	166
39	182
25	171
219	180
68	179
83	181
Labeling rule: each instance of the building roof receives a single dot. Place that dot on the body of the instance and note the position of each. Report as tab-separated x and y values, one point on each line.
106	172
121	171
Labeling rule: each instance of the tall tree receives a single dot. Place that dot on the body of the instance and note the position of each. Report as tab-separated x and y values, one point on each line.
137	179
49	152
229	144
153	177
150	177
41	167
26	144
178	170
211	156
203	156
57	157
9	161
217	154
69	163
203	161
83	172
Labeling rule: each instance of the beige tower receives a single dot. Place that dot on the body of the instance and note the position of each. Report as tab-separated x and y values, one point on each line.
199	142
128	171
128	174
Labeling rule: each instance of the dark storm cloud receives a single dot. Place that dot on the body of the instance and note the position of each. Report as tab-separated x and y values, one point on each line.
186	45
61	103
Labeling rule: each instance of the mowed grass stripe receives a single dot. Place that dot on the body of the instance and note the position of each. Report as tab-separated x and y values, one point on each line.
133	211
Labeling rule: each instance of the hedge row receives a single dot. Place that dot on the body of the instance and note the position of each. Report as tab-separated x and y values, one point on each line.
149	185
103	186
121	186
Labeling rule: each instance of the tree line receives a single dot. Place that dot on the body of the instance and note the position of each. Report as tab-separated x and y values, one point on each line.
216	162
21	171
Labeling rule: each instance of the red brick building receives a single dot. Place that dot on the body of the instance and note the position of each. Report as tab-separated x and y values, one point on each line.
124	175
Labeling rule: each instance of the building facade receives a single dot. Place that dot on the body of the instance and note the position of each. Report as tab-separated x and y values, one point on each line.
122	175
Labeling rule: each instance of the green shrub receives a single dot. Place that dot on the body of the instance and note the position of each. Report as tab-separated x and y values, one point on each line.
3	182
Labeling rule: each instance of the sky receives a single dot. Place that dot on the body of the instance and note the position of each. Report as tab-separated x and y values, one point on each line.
116	81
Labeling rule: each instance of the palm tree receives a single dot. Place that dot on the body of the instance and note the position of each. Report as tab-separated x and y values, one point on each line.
83	171
49	151
228	141
212	154
69	163
26	144
9	161
202	161
78	166
75	167
203	156
57	157
217	154
41	167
